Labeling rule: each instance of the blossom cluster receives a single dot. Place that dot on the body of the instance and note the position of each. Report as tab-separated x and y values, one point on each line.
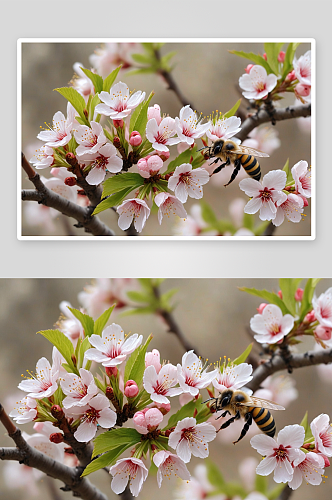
138	135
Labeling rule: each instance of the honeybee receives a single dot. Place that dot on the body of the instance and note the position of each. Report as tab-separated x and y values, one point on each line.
240	404
228	151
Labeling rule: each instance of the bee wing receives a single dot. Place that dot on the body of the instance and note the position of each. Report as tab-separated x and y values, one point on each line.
250	151
262	403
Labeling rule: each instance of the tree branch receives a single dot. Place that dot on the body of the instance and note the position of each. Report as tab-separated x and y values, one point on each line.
278	363
262	116
286	493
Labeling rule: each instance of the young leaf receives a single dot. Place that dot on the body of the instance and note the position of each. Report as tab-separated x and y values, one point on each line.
269	296
305	424
308	293
102	320
253	57
112	201
179	160
84	345
241	359
76	100
135	365
122	181
214	476
110	79
138	123
103	461
114	438
233	110
261	484
96	80
62	343
187	410
208	214
272	51
288	287
85	320
289	57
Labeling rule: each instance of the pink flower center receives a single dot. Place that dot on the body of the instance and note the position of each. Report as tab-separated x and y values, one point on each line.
326	438
274	329
326	311
91	416
259	86
163	387
305	180
265	194
100	162
185	178
281	453
188	434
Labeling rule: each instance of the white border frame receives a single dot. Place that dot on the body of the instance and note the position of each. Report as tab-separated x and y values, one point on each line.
20	41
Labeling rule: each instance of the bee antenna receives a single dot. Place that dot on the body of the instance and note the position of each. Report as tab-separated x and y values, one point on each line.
202	149
210	399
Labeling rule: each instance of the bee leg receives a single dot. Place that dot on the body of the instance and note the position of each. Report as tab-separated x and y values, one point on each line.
246	426
237	165
230	421
227	162
223	414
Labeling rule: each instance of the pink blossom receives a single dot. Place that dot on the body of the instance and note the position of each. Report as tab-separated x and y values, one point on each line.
154	112
60	133
266	195
43	157
135	139
302	68
110	348
96	412
161	135
232	376
131	389
159	385
257	83
68	323
292	208
199	487
310	469
323	332
78	389
271	326
147	420
302	90
118	103
44	383
187	127
105	159
149	165
168	465
188	182
302	177
110	55
281	455
103	293
323	308
191	374
224	128
25	411
322	432
128	469
190	438
153	358
82	83
136	209
194	224
278	388
263	139
169	205
90	138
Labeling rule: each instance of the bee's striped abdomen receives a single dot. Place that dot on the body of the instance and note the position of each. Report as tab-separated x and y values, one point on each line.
264	420
251	166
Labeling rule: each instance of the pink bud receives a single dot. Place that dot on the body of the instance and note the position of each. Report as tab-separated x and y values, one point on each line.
154	112
164	407
139	419
299	294
131	389
56	437
280	294
261	308
153	418
302	90
248	68
55	171
326	460
149	165
164	155
135	138
118	123
153	358
111	371
323	332
265	56
310	317
281	56
291	76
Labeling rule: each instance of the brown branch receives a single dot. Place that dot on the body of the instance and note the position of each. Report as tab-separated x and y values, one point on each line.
262	116
278	363
286	493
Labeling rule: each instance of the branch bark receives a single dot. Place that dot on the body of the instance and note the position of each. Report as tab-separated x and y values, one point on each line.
278	363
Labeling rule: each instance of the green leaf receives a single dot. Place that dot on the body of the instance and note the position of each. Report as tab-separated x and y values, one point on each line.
115	438
122	181
76	100
305	424
166	58
289	57
110	79
94	101
105	460
233	490
276	492
179	160
136	296
214	475
308	293
288	287
241	359
253	57
272	51
248	222
83	347
85	320
138	121
112	201
144	58
139	310
102	320
261	484
269	296
233	110
96	80
63	344
186	411
58	396
208	214
135	365
166	297
289	179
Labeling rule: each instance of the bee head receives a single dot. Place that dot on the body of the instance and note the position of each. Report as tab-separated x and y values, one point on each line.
217	147
226	398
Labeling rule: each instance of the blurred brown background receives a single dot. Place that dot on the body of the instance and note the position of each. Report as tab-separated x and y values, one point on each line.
208	76
214	315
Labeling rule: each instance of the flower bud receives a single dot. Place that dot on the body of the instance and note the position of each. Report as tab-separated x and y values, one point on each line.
299	294
135	138
261	307
164	407
153	358
70	181
116	142
164	155
118	123
153	417
326	460
111	371
149	165
131	389
323	332
139	422
280	294
248	68
57	412
154	112
281	56
310	317
56	437
291	76
302	90
265	56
